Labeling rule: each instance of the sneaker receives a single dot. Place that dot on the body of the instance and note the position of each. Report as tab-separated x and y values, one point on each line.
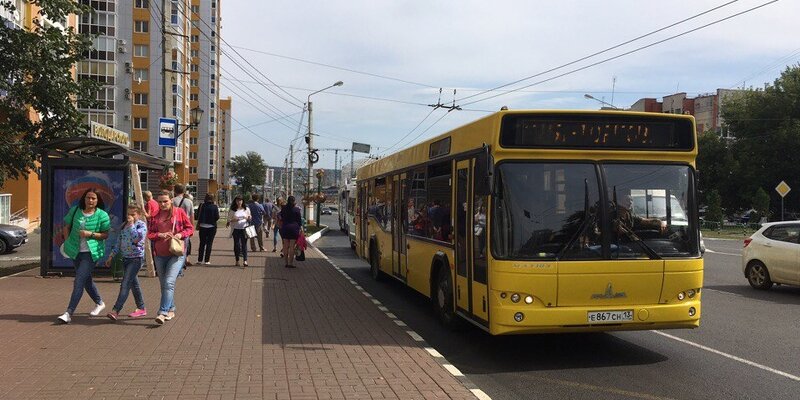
98	309
64	318
170	315
187	263
199	262
160	319
140	312
113	315
261	249
237	263
207	263
244	265
274	250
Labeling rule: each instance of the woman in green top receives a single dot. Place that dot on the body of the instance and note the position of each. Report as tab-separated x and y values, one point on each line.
85	229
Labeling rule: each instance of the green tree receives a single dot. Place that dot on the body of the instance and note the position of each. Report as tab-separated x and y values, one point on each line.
715	165
714	211
766	124
760	204
36	68
250	169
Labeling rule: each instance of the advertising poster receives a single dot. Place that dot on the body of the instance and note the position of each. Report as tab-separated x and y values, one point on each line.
68	187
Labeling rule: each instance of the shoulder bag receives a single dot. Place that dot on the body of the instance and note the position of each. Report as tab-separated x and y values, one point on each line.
175	244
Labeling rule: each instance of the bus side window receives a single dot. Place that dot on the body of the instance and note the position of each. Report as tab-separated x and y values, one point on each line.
417	212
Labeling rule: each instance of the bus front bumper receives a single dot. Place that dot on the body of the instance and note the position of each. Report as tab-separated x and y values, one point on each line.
538	319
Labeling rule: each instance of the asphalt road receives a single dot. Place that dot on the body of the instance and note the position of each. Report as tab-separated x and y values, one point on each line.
748	345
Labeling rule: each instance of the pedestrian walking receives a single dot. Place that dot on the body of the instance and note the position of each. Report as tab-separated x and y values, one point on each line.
150	204
85	229
184	201
276	222
130	244
171	222
238	218
257	220
268	206
291	228
207	217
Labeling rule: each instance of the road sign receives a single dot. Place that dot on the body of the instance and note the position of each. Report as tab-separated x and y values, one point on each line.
782	189
360	147
167	129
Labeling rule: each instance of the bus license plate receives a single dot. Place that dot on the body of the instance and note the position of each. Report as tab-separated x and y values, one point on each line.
609	317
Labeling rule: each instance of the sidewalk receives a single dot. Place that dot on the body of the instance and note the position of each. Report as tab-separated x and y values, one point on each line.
262	332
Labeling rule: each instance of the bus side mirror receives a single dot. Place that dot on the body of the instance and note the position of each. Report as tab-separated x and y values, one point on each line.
484	170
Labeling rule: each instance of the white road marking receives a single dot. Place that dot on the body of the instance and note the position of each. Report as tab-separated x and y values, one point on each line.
415	336
732	357
453	370
390	315
480	394
400	323
433	352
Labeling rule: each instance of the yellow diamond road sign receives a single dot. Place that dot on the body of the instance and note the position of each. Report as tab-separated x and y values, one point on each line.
782	189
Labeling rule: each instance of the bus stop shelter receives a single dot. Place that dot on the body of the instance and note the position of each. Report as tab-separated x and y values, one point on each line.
70	166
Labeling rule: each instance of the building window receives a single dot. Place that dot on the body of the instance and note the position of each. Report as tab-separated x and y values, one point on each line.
140	98
139	123
103	49
194	82
140	145
195	68
142	4
141	74
193	170
174	13
141	50
194	97
193	141
196	9
195	38
141	26
192	155
195	53
98	71
98	23
105	96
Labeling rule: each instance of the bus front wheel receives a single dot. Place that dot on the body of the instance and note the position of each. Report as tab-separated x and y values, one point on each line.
443	300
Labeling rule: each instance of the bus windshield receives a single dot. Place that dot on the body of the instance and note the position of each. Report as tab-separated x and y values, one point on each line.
552	211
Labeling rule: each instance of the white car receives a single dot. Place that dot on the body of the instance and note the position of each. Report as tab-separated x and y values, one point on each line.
772	255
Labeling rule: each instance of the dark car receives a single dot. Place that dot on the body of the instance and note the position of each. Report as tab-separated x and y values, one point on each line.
11	237
326	211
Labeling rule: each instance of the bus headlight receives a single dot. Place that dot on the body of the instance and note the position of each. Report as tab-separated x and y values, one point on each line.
681	296
528	299
519	317
692	312
515	297
690	293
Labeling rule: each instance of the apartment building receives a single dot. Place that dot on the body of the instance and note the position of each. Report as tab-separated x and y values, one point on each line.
706	108
159	58
224	149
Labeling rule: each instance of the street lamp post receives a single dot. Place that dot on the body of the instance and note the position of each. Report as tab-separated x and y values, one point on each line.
312	155
590	97
194	120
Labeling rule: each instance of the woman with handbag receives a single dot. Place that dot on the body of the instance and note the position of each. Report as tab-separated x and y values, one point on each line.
238	220
291	229
85	229
167	230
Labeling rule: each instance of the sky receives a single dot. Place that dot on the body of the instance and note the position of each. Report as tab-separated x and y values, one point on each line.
394	57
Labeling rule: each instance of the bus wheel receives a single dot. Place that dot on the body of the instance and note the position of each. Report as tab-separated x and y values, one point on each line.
374	268
443	300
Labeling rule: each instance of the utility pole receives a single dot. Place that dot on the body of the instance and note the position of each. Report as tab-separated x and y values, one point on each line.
290	175
164	66
310	141
335	167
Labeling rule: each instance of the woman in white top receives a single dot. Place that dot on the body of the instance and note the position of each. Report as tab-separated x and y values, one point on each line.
238	219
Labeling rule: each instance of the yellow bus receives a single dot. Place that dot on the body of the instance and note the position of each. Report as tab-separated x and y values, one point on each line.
530	221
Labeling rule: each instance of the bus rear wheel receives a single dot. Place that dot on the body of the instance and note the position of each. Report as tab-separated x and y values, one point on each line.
443	300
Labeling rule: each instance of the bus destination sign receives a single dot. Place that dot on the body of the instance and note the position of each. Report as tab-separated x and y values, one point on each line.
611	132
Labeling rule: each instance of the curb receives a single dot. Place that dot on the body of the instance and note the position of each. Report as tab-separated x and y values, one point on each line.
449	367
313	238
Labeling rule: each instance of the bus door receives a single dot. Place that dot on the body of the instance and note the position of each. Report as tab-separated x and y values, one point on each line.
399	227
361	214
477	231
463	264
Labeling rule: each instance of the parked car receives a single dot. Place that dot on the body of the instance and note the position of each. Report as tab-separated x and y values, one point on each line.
11	237
326	211
770	255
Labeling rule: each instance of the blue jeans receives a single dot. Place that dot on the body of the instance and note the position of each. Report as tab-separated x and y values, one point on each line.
130	282
275	230
84	265
168	268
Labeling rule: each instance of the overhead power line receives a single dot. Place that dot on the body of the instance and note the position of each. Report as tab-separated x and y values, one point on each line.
623	54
